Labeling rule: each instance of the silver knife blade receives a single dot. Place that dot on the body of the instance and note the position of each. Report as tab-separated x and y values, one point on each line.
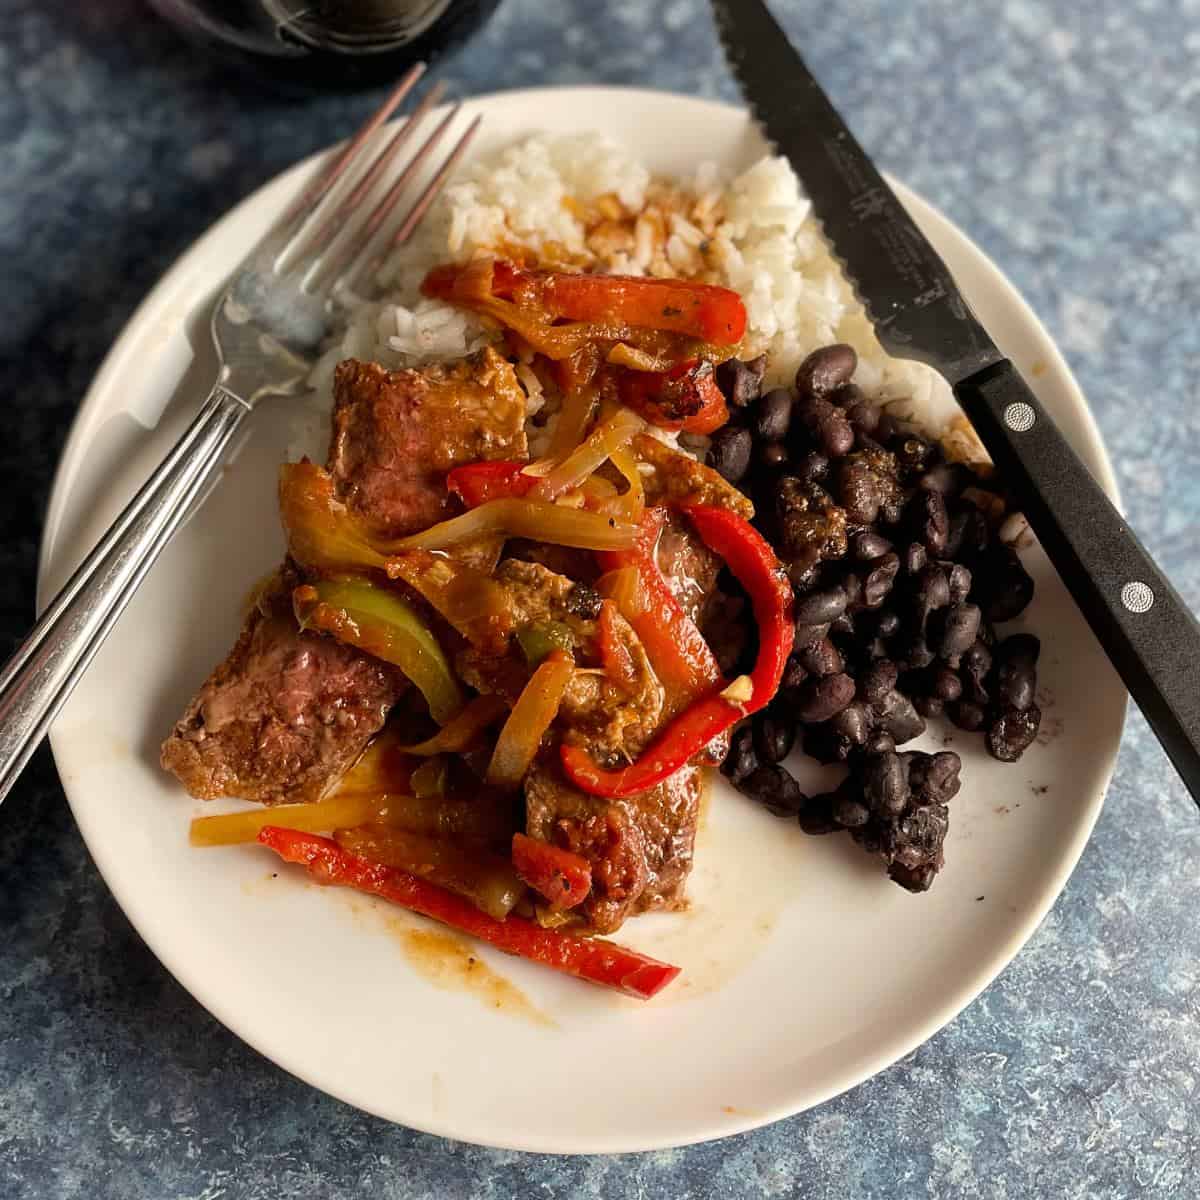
907	290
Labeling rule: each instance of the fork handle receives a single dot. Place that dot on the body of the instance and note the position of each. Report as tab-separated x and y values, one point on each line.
36	681
1141	622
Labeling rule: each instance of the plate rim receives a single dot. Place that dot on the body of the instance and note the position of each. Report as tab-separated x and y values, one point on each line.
596	1141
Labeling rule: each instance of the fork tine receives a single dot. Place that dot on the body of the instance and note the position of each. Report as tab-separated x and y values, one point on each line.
433	187
344	266
413	217
311	198
335	222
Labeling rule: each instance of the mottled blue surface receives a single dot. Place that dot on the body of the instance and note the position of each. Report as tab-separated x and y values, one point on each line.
1069	147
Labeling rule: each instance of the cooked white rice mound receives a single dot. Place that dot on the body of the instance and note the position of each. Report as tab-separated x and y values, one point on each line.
753	232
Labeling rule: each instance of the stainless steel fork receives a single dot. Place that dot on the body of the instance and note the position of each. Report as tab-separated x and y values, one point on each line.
268	326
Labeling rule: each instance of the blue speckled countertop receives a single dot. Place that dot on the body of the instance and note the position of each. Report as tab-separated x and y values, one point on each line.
1068	146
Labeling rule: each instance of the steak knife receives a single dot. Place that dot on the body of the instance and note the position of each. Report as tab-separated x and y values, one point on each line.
1145	628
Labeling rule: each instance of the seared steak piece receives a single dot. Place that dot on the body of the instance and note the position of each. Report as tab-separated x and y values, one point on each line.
640	848
612	721
285	715
689	566
397	433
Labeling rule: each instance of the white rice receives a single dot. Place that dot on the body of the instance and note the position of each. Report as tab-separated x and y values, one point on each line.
763	243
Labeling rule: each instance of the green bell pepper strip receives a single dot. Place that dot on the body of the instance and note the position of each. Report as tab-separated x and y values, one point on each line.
382	624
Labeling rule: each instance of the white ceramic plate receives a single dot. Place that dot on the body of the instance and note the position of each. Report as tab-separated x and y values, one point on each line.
805	970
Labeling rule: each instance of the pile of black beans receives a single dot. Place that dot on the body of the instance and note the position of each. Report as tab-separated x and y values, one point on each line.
900	578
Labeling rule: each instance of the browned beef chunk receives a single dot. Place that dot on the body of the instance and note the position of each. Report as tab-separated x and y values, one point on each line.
640	848
285	715
397	433
689	566
691	569
611	720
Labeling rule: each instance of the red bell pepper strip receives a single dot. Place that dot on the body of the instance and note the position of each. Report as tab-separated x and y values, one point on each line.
752	560
681	658
615	657
563	878
698	310
685	398
477	483
592	959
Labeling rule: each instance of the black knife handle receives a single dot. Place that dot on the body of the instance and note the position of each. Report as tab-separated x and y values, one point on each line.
1140	620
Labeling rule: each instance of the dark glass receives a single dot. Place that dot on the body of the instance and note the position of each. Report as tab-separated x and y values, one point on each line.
339	44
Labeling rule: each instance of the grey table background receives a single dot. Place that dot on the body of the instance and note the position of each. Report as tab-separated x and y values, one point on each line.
1069	148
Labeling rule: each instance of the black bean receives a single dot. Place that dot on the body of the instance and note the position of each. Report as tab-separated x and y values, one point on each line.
898	717
968	535
816	817
794	673
774	735
849	812
776	788
975	691
854	723
1013	732
960	628
934	778
958	576
1020	647
915	558
888	624
867	545
928	521
1016	684
885	784
887	429
820	607
742	758
879	582
913	879
929	706
916	654
852	585
947	478
968	715
1006	587
729	452
836	434
932	589
804	573
809	411
821	699
740	382
880	742
772	415
1015	681
773	455
826	746
976	662
826	370
945	684
821	658
812	467
843	626
807	634
863	416
875	684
